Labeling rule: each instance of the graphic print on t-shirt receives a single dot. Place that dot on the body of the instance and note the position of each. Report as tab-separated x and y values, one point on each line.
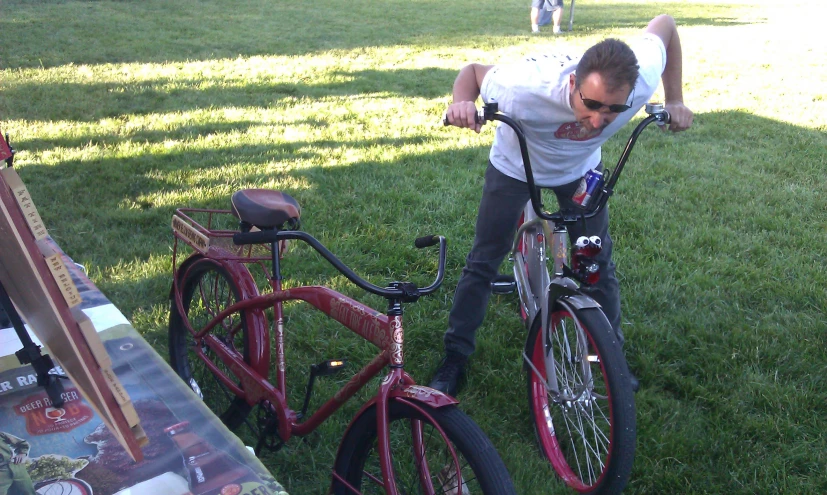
575	131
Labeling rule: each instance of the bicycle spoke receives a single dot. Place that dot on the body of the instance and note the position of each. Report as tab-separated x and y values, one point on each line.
600	438
421	467
595	443
587	449
589	452
206	290
447	477
582	435
580	406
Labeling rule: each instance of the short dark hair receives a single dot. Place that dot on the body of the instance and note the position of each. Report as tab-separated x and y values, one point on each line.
613	60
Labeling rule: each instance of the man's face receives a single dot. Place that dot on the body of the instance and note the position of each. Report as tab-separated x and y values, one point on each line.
594	89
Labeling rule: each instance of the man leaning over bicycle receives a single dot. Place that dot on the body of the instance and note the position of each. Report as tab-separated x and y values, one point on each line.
568	107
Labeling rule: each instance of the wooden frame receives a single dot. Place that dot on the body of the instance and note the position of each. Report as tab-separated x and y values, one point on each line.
40	287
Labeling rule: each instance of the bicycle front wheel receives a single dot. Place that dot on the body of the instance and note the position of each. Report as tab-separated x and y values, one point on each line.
207	289
422	440
586	428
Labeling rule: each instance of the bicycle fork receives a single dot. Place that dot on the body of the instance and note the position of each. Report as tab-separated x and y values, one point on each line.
540	296
569	357
389	390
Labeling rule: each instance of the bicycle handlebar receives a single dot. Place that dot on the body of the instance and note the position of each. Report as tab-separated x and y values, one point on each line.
397	290
428	240
490	112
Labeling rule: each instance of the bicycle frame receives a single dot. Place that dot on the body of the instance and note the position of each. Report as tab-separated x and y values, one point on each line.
366	322
529	257
539	292
584	371
385	331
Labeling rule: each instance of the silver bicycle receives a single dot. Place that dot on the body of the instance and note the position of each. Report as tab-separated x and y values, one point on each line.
579	390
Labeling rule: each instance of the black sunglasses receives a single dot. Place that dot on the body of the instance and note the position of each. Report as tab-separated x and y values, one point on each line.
597	105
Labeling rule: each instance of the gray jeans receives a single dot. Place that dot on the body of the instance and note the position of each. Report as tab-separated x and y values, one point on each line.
503	199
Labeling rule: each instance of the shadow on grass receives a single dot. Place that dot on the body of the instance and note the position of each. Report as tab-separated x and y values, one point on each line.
370	195
367	212
91	102
155	31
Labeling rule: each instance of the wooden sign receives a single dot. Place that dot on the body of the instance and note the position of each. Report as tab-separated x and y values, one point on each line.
43	293
54	260
194	238
24	199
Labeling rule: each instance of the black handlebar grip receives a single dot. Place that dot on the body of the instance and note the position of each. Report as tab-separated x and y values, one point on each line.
428	240
477	118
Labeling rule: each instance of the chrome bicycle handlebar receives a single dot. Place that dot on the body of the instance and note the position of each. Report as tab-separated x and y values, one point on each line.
490	111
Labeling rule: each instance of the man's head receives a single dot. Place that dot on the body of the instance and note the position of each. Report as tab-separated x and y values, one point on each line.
603	82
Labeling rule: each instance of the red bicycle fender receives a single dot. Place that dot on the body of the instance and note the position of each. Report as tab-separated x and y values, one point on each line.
425	395
257	329
415	393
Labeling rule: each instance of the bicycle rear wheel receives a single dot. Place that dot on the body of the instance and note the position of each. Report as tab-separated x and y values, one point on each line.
427	470
207	289
587	431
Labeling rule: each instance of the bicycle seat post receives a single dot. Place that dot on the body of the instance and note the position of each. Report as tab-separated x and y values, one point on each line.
276	275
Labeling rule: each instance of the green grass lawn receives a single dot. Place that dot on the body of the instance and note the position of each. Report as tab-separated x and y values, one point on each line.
123	111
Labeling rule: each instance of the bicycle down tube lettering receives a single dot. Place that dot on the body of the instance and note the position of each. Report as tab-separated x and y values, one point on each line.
365	324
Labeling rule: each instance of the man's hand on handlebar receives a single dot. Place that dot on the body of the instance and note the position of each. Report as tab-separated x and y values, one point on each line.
463	114
680	117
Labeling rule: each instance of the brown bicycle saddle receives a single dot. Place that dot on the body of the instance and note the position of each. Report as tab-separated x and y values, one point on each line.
266	209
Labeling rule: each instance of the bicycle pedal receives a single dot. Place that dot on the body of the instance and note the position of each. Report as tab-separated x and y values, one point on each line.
327	368
503	284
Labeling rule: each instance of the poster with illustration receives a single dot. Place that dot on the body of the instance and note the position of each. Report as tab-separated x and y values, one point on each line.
67	450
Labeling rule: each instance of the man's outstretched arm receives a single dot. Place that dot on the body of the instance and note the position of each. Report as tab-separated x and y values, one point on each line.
663	26
463	110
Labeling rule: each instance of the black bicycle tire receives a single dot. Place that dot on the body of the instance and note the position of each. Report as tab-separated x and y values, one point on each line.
615	476
468	438
238	409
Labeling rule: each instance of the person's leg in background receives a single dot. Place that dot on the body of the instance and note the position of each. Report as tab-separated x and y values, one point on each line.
536	5
556	7
501	204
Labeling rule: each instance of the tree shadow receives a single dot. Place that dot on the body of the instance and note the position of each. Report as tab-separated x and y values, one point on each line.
91	102
388	199
166	32
742	188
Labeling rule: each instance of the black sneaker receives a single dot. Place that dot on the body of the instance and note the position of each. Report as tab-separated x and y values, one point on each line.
634	382
450	373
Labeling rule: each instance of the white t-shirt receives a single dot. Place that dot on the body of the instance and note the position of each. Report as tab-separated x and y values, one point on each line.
535	93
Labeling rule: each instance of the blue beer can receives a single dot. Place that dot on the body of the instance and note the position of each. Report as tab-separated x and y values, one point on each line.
589	184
